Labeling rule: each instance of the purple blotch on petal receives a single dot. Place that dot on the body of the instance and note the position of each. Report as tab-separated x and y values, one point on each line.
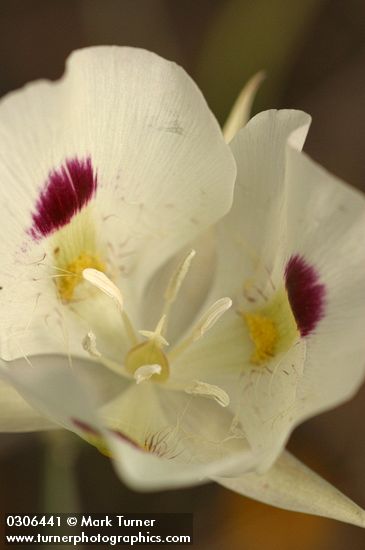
67	190
83	426
306	294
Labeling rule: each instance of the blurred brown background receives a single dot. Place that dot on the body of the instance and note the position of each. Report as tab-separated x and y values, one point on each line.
314	54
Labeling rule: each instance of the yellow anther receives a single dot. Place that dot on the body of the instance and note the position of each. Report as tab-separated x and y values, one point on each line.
67	284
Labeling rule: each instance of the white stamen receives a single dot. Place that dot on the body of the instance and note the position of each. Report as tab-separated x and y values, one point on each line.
170	296
152	335
206	322
103	283
89	345
156	335
160	325
177	279
240	112
208	390
146	371
210	317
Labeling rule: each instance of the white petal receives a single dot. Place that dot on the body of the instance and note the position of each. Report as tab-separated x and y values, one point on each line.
289	484
194	434
326	226
251	235
53	390
16	415
147	472
241	110
267	403
162	141
32	319
164	172
303	211
263	399
60	394
260	149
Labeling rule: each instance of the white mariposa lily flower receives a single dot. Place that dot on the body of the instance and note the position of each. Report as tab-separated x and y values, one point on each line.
106	175
290	254
169	424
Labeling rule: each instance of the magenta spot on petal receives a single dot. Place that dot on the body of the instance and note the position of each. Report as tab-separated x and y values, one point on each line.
67	190
84	427
91	431
125	438
306	294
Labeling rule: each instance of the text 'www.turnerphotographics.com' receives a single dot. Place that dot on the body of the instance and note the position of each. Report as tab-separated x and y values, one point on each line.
99	529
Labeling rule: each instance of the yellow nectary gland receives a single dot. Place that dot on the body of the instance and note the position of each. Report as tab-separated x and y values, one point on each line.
148	353
67	283
272	328
264	336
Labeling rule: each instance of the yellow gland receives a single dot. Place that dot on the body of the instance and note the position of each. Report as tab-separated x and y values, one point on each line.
67	284
272	328
148	353
264	336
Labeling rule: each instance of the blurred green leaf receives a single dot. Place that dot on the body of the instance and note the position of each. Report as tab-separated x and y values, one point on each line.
245	37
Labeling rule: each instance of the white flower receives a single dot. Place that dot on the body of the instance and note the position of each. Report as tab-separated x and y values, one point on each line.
112	180
105	176
291	256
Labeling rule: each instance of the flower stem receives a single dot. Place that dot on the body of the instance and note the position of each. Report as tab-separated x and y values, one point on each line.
59	491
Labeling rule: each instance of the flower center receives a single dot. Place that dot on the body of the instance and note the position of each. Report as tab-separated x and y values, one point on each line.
146	360
272	328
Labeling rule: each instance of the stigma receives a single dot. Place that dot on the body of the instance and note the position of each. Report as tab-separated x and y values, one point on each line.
147	361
